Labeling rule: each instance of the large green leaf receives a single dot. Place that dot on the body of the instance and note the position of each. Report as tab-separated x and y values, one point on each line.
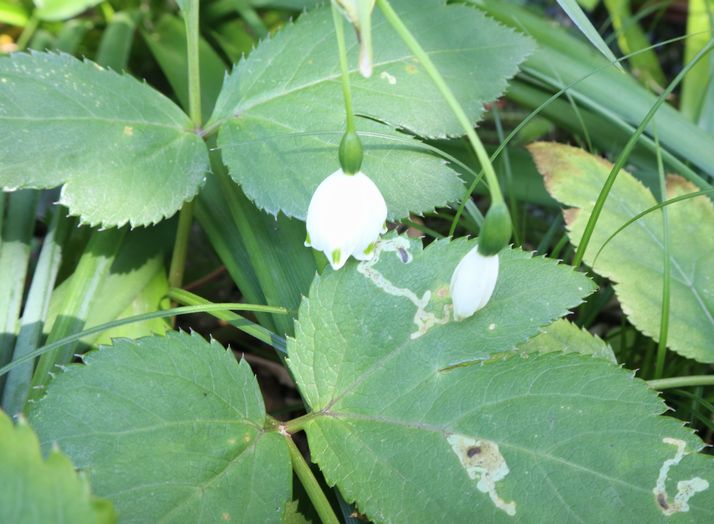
634	259
281	111
170	429
412	436
35	491
123	151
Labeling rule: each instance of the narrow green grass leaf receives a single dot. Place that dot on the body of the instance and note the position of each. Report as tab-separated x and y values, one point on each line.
700	28
14	259
583	23
204	307
116	42
645	65
35	311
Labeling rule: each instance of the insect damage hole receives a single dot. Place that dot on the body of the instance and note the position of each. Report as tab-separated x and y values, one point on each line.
484	463
686	489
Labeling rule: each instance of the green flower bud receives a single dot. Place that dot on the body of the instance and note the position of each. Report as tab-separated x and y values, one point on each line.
496	230
350	153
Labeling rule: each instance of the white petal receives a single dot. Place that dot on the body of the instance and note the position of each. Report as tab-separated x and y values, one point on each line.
346	213
472	283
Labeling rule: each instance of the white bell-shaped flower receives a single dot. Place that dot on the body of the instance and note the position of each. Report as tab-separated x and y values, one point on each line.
345	217
472	283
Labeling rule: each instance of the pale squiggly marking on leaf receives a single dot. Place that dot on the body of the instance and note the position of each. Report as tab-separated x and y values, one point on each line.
423	319
483	461
686	489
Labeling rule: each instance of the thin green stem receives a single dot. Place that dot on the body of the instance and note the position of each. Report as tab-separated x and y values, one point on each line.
506	160
190	17
312	486
186	298
178	257
681	382
27	32
298	424
344	67
448	95
666	272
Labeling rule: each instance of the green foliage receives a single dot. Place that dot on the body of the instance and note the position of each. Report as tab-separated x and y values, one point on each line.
581	20
131	158
634	258
510	414
12	13
281	111
38	491
175	432
62	9
443	418
387	316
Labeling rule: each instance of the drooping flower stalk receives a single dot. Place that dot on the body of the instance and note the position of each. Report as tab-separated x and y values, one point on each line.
347	211
496	229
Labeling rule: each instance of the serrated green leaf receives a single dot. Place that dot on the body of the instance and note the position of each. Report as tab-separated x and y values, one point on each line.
281	111
62	9
566	337
395	418
633	260
38	491
362	323
123	151
174	433
551	438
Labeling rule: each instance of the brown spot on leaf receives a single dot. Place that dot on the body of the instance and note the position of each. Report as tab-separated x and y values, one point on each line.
662	501
473	450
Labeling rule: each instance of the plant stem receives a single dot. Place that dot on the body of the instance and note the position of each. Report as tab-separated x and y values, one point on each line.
298	424
190	17
186	298
446	92
666	272
344	67
680	382
27	33
178	257
312	487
